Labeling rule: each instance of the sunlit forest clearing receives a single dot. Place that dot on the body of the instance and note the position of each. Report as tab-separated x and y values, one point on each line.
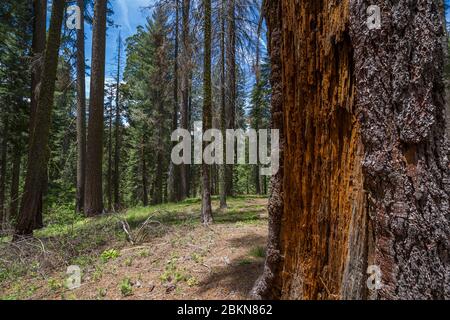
164	253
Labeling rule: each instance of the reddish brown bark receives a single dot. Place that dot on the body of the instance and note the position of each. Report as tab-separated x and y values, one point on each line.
365	149
38	149
93	202
81	112
38	49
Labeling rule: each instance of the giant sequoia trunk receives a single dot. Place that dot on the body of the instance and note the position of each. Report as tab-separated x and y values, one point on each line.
364	145
93	196
38	150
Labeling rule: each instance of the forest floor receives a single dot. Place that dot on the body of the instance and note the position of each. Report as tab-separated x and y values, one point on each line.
160	252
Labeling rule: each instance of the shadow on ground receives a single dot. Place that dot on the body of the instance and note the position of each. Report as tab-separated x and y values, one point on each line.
239	276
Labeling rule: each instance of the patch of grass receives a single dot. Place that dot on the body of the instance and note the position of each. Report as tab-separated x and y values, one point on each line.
126	288
197	258
54	284
101	292
258	252
144	253
244	262
192	282
20	291
97	274
128	262
110	254
172	273
82	261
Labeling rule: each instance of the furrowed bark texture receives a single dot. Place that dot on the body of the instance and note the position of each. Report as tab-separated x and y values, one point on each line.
268	285
400	101
323	231
81	112
31	203
93	198
365	148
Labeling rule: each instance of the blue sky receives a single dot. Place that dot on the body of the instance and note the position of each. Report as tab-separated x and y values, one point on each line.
128	15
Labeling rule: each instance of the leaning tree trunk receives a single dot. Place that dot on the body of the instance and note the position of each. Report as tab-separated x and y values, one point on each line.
93	193
365	149
81	112
38	150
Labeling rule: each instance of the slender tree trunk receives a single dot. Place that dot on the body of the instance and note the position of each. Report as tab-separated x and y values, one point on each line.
3	165
174	178
93	203
186	62
231	83
207	115
144	174
81	112
258	110
110	160
269	284
38	149
38	50
15	182
222	173
117	204
158	190
366	153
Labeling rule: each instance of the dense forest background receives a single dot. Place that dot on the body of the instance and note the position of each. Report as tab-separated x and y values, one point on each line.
153	85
